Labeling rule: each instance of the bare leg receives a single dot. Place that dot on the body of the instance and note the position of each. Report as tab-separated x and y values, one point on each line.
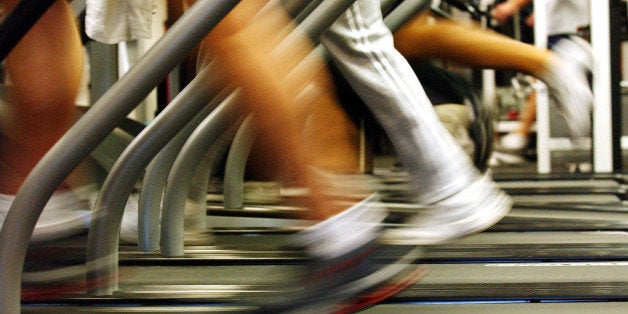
248	57
468	45
472	46
45	71
528	116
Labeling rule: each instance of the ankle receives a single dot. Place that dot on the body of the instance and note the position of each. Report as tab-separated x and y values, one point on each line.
332	193
345	231
548	70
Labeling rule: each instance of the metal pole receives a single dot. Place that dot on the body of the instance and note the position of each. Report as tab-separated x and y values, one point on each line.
616	18
87	133
602	85
544	161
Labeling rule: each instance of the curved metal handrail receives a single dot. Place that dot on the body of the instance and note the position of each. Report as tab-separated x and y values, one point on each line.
192	153
102	241
88	132
155	177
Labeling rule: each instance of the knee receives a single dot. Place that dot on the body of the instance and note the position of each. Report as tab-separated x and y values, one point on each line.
46	66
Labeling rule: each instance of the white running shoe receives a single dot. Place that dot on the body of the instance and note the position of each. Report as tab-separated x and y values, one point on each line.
568	85
66	214
513	142
345	261
69	213
499	158
577	51
472	210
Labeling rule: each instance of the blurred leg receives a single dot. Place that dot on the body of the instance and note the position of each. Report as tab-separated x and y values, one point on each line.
460	201
301	123
45	71
528	116
468	45
476	47
362	47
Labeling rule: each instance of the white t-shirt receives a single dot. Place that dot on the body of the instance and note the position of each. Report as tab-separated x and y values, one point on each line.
114	21
565	16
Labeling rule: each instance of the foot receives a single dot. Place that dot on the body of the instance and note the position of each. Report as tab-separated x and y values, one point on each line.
472	210
568	85
576	51
346	261
513	142
69	213
499	158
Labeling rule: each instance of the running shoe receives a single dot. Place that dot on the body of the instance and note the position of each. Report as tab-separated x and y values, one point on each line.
576	51
69	213
513	142
472	210
502	159
569	86
347	264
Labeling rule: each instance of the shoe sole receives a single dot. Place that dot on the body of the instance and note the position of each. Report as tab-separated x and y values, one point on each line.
383	292
374	287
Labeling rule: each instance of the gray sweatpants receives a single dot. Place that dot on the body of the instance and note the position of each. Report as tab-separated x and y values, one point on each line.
362	47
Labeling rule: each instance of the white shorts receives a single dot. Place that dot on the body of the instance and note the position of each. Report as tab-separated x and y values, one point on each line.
114	21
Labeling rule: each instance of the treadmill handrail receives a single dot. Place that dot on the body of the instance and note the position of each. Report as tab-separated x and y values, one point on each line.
88	132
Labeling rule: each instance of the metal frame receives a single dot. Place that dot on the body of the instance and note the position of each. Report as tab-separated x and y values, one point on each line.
155	179
181	120
87	133
602	115
607	113
172	226
102	245
606	41
108	112
544	162
172	232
